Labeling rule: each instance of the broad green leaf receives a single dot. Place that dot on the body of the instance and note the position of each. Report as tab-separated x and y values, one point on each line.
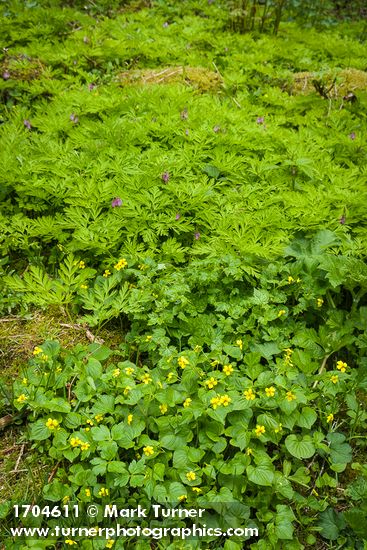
331	523
100	433
300	447
39	431
306	417
261	475
283	522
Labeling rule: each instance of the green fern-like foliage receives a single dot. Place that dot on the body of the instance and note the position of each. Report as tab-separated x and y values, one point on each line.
249	166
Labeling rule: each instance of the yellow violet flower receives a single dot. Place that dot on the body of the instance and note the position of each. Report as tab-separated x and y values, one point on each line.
191	476
290	396
84	286
127	390
25	381
75	441
279	429
249	395
146	378
249	451
259	430
319	302
70	542
90	422
330	418
110	543
87	492
148	450
287	357
228	369
170	375
225	400
98	418
116	373
106	273
129	371
129	418
52	423
334	378
340	365
187	402
120	264
281	312
183	362
215	402
182	497
214	363
84	446
239	343
197	349
148	338
163	408
22	398
81	264
290	279
37	350
65	499
103	492
211	383
270	392
197	490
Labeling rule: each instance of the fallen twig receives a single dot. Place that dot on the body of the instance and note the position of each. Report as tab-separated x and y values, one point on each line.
322	368
53	472
18	459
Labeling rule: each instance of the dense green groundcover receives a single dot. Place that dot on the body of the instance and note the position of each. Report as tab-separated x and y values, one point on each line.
165	177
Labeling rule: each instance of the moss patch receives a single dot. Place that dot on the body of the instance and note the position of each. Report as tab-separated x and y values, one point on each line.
338	83
21	67
200	78
19	336
21	473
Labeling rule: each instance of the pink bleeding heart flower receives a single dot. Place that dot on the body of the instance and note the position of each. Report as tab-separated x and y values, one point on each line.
27	124
116	202
74	118
165	177
178	216
260	120
197	236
